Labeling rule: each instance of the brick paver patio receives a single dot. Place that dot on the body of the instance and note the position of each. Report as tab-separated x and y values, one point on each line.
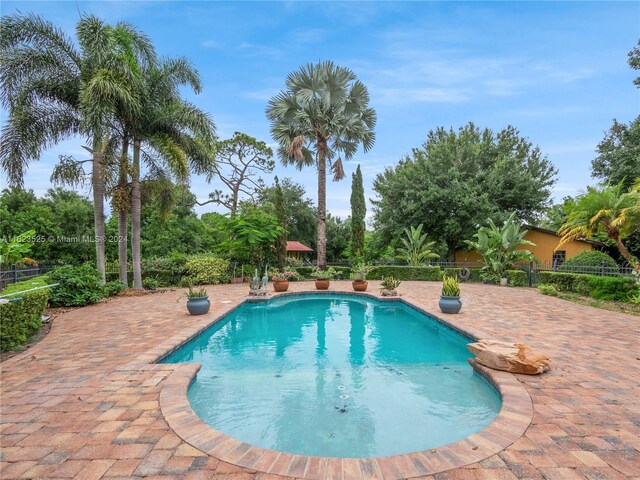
81	405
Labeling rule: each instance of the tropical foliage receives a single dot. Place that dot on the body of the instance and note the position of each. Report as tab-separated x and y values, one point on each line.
323	113
14	250
610	209
450	286
501	247
415	249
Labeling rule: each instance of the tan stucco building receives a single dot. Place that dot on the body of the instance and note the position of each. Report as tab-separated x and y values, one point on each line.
546	249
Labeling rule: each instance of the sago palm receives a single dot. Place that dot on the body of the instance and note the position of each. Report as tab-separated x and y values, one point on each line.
610	210
415	249
54	89
322	116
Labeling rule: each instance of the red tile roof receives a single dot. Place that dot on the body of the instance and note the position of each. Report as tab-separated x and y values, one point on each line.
298	247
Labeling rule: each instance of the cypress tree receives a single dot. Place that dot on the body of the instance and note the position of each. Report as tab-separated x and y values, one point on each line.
281	242
358	213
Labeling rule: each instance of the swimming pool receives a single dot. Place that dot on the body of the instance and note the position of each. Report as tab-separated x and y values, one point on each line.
336	376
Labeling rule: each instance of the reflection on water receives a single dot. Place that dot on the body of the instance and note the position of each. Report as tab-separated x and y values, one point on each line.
336	376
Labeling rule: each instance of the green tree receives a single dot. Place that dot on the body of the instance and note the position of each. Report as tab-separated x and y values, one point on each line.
556	215
500	247
463	178
618	157
239	162
609	209
358	214
415	249
281	215
323	113
170	135
54	90
634	62
301	216
338	238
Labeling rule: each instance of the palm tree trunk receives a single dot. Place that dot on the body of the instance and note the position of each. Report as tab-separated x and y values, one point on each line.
322	205
623	250
97	180
135	216
123	220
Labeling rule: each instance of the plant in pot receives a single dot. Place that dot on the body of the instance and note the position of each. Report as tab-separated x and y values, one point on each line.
281	280
323	277
450	298
359	275
197	301
389	286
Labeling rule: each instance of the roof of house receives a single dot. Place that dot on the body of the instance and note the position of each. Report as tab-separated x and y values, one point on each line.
293	246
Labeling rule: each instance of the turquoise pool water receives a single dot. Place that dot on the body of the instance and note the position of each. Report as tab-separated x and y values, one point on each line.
337	376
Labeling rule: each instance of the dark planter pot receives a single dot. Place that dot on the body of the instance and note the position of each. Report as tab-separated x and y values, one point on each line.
322	284
360	285
450	304
198	306
281	285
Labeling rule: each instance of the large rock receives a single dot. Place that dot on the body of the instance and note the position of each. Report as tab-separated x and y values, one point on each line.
510	357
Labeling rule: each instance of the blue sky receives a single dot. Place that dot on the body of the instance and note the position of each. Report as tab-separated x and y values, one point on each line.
557	71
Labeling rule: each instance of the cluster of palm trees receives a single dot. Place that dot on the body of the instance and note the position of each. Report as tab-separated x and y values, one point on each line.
111	88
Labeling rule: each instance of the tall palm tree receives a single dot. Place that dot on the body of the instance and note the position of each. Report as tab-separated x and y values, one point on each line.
170	134
609	209
54	90
323	113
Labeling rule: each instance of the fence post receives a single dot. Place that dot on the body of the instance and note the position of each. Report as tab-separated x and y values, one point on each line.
602	268
530	273
15	272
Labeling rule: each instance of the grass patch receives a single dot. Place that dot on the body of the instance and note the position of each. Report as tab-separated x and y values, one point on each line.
610	305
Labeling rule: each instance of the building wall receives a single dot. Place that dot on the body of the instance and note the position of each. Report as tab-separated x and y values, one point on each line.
546	244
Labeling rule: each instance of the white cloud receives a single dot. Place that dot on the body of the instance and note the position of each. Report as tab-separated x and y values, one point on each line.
212	44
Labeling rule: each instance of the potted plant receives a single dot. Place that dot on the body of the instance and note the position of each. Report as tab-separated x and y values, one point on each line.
197	301
281	280
389	286
359	274
323	277
450	298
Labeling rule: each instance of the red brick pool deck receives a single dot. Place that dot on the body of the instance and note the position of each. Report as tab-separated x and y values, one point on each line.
85	402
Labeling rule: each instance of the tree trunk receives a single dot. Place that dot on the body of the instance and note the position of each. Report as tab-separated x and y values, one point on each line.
322	205
97	180
623	250
123	220
136	208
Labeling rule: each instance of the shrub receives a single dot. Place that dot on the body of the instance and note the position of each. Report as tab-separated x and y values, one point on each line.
390	283
208	270
611	288
601	288
518	278
589	262
341	273
113	288
21	319
406	273
475	274
547	289
167	271
150	283
78	286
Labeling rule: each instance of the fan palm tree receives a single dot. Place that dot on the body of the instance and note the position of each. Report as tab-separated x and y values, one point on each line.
54	90
171	135
610	210
415	249
323	113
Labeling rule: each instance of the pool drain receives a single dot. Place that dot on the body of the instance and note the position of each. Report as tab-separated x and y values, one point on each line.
344	396
341	387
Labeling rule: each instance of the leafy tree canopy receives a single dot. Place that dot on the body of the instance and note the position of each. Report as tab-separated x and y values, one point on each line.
458	179
618	157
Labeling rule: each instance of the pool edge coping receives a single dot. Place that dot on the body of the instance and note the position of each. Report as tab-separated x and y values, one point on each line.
510	424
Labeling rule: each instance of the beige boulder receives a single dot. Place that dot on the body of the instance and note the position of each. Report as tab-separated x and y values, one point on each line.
510	357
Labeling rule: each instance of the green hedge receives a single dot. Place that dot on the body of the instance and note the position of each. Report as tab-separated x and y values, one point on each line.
21	319
406	273
78	286
518	278
343	273
601	288
589	262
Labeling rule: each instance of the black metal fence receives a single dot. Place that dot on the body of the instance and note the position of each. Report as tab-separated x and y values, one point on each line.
21	273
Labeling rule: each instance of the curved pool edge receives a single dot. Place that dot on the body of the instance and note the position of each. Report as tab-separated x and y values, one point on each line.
509	425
